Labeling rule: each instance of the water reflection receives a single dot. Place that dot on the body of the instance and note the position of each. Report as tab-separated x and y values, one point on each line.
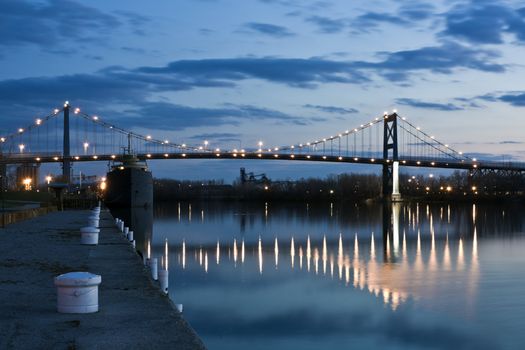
428	258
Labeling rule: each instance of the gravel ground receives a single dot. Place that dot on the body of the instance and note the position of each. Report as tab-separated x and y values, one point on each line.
133	313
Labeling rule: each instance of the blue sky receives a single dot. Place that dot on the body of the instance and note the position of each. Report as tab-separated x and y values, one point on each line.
281	71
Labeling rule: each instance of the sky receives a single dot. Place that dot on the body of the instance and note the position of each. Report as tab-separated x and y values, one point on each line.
278	71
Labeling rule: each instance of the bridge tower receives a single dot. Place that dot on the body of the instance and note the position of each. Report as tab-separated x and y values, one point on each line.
390	158
66	162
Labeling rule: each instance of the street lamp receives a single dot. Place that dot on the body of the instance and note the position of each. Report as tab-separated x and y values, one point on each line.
21	147
48	179
260	146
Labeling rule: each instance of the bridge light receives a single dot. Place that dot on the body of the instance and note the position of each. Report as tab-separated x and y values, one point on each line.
184	154
300	145
217	150
460	152
356	159
166	155
200	147
183	145
77	110
418	162
38	121
403	118
66	104
432	163
95	157
394	110
474	188
2	139
474	159
37	159
418	128
308	157
20	130
77	157
235	155
475	165
55	158
148	137
259	155
292	156
148	155
404	162
449	188
385	113
166	142
218	154
324	140
21	147
371	124
48	179
95	117
372	160
27	183
355	130
324	157
56	110
292	146
340	158
276	155
113	156
308	143
340	135
432	137
86	145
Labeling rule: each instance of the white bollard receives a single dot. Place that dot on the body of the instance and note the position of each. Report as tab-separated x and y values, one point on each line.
93	221
126	230
89	235
130	236
163	279
133	244
117	220
121	226
77	292
154	268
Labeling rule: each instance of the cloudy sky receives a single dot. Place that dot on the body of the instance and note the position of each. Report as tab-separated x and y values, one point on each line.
282	71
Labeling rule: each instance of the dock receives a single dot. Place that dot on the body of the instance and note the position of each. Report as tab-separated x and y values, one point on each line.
133	312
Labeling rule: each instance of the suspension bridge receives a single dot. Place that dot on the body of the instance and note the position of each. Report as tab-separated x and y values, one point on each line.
68	135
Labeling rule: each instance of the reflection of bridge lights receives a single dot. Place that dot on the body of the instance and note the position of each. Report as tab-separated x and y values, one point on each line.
21	147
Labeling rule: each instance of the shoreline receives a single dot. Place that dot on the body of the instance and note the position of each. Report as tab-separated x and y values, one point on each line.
133	312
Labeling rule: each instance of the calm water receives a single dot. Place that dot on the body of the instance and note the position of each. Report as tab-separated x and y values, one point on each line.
300	276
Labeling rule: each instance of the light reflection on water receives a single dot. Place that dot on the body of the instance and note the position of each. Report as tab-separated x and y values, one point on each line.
301	276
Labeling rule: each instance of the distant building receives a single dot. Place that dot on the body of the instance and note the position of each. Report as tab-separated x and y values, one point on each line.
27	176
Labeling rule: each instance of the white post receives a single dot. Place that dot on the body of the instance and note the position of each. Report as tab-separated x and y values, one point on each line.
396	196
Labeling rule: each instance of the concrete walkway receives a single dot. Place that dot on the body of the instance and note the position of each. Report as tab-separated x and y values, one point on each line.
133	312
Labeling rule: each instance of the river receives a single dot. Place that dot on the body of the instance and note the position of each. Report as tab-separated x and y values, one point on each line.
329	276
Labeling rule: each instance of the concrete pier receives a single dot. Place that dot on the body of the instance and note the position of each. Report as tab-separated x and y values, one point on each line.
134	314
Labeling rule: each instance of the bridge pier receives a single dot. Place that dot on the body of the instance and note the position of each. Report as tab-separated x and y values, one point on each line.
391	159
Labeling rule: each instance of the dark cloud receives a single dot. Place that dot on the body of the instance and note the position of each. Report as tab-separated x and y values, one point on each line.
514	98
331	109
484	22
371	20
416	11
51	23
328	25
428	105
169	116
272	30
218	136
438	59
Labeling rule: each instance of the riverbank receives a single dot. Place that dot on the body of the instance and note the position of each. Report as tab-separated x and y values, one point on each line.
133	312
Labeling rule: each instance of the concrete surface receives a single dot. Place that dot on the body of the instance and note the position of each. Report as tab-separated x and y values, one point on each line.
133	312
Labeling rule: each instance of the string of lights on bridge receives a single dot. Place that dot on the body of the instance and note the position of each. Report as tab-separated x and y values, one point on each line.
293	151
